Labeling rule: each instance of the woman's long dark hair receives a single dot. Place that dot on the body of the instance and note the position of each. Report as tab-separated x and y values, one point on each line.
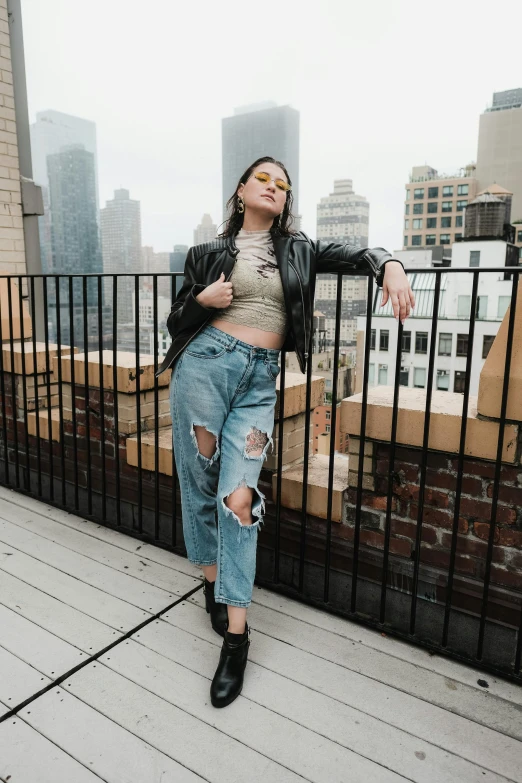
282	223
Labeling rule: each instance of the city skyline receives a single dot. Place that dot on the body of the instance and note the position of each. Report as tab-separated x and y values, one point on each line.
159	134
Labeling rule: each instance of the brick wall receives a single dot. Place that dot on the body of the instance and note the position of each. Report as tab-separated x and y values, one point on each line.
438	514
12	250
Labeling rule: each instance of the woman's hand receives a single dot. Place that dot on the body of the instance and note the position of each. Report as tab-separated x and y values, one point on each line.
397	288
218	294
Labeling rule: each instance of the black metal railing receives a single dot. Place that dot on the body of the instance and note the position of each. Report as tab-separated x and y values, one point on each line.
84	470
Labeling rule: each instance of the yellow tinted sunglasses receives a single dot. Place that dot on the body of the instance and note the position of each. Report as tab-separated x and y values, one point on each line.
262	176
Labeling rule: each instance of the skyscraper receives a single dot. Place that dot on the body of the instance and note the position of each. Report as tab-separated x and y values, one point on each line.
52	132
253	132
206	231
343	216
499	156
121	246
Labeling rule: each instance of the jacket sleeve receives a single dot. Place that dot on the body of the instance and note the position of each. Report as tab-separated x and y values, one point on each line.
343	257
186	311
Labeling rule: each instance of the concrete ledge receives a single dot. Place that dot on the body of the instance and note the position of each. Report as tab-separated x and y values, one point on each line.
125	372
26	348
317	499
445	422
43	417
148	440
295	393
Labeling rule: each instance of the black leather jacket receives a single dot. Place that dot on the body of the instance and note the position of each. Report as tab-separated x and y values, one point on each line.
299	259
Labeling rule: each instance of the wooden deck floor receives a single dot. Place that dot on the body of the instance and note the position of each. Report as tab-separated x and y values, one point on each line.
324	700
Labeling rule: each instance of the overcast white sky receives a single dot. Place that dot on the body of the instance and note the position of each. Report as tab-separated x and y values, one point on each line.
380	86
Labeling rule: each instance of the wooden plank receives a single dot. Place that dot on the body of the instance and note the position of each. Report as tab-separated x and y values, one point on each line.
27	757
395	647
128	588
90	600
36	646
212	751
55	616
129	563
316	736
100	532
417	717
18	680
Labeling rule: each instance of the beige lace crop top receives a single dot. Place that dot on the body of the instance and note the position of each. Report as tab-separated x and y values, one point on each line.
256	285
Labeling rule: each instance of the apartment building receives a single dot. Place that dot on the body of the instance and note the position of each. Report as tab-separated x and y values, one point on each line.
434	206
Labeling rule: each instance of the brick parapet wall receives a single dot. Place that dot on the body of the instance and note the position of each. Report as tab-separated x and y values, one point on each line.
438	513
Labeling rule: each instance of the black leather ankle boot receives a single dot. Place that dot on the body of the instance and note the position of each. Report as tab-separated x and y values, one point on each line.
218	612
228	679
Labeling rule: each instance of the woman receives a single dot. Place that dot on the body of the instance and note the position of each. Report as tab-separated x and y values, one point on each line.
245	297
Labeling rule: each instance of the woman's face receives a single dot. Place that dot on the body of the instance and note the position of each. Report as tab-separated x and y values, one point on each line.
264	197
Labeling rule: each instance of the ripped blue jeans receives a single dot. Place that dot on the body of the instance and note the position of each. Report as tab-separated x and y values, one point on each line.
228	387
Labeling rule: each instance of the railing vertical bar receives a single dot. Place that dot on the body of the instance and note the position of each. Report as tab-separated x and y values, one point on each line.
48	376
461	456
156	408
138	400
4	415
115	390
362	445
73	392
174	533
37	395
425	446
27	473
498	463
393	438
60	385
102	400
333	421
304	497
87	396
13	381
280	429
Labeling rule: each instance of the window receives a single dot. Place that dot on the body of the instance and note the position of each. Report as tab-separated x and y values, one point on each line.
487	342
372	339
404	376
418	209
371	374
463	306
460	382
417	223
416	240
462	190
482	307
383	374
406	342
445	340
444	239
461	205
431	239
431	222
328	415
384	338
443	380
432	207
457	237
433	192
405	241
419	377
407	209
519	236
462	344
447	191
407	224
421	342
447	206
408	194
503	304
474	257
418	193
327	427
458	221
445	222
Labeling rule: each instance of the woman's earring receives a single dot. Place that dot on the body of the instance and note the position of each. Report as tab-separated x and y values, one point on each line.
240	205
